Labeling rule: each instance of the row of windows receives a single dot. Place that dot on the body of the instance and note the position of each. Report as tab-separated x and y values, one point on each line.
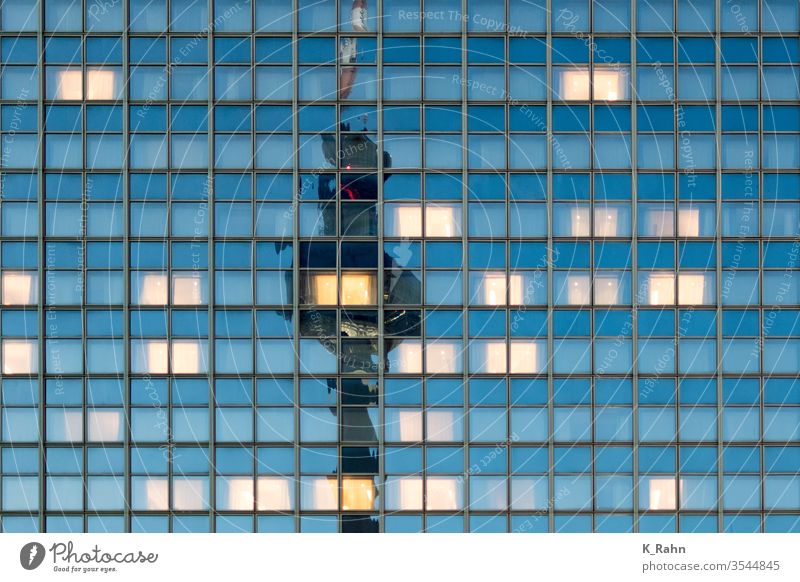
486	493
441	288
432	523
402	15
516	459
571	186
442	151
404	392
67	323
445	83
401	220
396	50
442	425
407	356
438	118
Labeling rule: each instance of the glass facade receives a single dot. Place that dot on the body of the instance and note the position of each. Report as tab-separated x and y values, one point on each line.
384	265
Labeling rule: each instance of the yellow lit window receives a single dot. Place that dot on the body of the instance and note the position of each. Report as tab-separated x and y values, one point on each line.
658	222
19	288
153	289
323	289
610	85
442	358
494	289
320	493
404	493
606	221
580	221
688	221
358	289
443	494
578	290
606	290
406	358
275	494
149	356
691	288
662	494
495	362
574	84
410	425
358	494
156	494
444	221
101	84
187	289
187	357
406	221
236	493
661	289
70	84
524	357
20	357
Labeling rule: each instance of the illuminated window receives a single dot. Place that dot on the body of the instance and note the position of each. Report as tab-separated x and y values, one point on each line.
406	357
443	424
611	221
358	493
661	494
656	220
320	289
150	493
188	357
444	221
443	494
149	356
695	289
404	425
275	494
235	493
319	493
69	85
607	289
20	357
101	84
104	425
495	357
524	357
581	222
659	289
490	288
578	289
610	84
404	220
188	289
688	221
358	289
574	84
151	289
189	493
404	493
19	288
442	357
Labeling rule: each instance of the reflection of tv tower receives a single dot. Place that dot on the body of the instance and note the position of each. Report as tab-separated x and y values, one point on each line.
33	552
348	49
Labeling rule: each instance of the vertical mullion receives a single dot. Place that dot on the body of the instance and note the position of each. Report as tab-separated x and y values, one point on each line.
212	404
42	284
